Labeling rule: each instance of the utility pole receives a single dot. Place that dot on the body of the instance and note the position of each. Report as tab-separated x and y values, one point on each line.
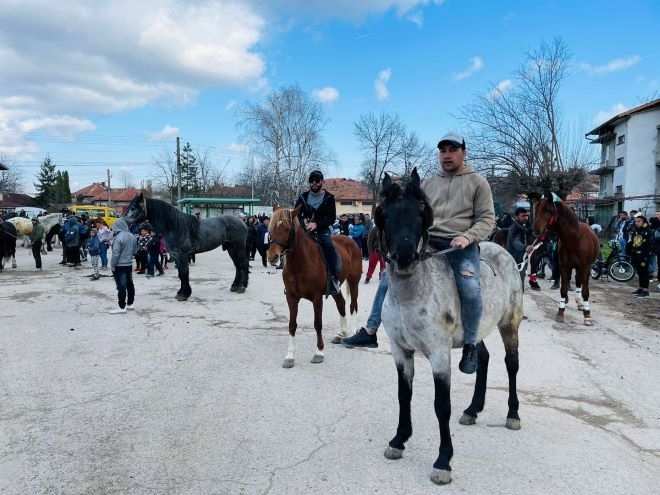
109	175
178	170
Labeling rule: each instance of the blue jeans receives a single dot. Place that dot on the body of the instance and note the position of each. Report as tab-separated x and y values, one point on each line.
103	254
653	263
125	288
377	306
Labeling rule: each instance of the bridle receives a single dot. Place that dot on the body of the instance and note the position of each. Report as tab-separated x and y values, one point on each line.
289	244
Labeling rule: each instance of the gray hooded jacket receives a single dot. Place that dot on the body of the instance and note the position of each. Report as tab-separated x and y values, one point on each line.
124	245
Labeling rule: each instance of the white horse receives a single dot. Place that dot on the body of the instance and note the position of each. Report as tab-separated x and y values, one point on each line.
24	226
422	311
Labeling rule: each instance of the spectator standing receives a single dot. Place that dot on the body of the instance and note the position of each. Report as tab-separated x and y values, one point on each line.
344	224
104	235
357	231
640	249
72	241
251	244
368	225
141	256
375	255
94	250
124	247
654	225
262	239
519	242
153	253
36	239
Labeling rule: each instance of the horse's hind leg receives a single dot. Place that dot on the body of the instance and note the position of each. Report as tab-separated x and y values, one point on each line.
239	258
182	268
340	301
479	397
509	333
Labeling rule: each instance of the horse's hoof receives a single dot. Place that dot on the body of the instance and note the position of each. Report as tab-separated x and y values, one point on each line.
580	307
440	476
466	419
288	363
13	265
233	289
588	322
181	297
512	423
317	359
392	453
240	290
559	318
336	340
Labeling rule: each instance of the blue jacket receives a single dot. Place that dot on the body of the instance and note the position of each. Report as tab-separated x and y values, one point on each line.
94	246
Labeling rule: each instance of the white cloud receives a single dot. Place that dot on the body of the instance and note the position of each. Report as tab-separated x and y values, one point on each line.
612	66
476	64
605	115
380	84
230	105
326	95
416	18
237	148
501	88
165	134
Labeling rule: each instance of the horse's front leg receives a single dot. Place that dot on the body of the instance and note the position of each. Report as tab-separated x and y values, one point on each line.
479	396
440	360
239	258
578	290
183	271
563	292
318	326
340	301
586	312
293	325
405	368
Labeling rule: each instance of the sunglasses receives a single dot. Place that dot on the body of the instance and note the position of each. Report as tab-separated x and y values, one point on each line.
318	181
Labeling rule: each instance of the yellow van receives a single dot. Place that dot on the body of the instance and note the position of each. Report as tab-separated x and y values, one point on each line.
108	214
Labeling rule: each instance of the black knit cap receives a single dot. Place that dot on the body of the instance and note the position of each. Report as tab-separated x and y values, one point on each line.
316	175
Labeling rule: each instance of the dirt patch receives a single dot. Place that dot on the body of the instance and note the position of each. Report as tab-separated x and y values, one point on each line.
617	297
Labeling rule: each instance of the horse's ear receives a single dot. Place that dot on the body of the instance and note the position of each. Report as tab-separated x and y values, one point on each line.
296	211
379	220
414	176
387	180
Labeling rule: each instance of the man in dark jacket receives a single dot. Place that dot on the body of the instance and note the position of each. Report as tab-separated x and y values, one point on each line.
36	238
317	215
519	241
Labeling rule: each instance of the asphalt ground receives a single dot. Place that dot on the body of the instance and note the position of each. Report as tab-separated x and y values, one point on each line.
191	398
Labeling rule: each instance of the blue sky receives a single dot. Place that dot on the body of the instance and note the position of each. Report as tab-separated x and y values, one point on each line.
109	84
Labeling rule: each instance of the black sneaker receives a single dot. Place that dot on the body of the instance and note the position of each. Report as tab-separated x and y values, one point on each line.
541	276
468	364
535	286
361	339
638	291
555	286
642	295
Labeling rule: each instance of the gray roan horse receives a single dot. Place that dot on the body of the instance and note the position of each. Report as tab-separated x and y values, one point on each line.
186	234
422	312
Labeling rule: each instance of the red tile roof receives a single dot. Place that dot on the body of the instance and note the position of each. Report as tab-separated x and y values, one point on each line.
348	190
98	192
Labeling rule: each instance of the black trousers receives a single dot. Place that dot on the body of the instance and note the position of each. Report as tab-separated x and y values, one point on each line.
36	252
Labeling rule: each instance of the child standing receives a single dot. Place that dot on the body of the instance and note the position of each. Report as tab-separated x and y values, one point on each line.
142	254
94	250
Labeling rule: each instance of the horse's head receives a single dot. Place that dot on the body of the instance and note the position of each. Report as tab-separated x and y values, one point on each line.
545	214
281	231
136	212
404	216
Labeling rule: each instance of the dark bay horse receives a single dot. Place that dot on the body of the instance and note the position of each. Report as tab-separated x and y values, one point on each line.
186	234
422	312
578	249
8	235
305	276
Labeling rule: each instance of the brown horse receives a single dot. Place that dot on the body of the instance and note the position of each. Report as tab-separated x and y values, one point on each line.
578	249
305	276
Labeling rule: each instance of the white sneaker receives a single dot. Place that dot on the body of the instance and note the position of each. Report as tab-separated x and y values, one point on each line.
130	306
117	311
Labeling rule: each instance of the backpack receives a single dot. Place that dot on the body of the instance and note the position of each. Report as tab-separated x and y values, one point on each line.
83	230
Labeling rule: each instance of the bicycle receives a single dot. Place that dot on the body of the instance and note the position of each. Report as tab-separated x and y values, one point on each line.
615	266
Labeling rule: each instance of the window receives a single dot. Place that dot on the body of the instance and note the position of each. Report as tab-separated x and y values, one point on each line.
619	190
619	162
621	139
346	203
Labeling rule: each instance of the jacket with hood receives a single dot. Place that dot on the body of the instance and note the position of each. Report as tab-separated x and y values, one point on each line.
463	205
124	245
71	232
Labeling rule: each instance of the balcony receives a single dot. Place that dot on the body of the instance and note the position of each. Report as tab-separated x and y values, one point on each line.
604	168
610	194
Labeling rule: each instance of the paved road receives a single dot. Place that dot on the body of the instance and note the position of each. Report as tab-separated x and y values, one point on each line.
190	397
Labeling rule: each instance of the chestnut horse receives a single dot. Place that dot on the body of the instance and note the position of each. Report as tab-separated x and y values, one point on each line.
305	276
578	249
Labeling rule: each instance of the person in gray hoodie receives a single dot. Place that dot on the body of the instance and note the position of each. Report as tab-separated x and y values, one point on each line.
124	247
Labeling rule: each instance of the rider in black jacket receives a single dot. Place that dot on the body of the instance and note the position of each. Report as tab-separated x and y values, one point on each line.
318	215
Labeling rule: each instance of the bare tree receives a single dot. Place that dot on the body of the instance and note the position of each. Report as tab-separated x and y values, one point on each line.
10	179
382	140
283	136
208	173
166	180
518	135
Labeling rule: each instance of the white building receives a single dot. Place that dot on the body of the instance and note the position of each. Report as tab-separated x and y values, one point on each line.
630	161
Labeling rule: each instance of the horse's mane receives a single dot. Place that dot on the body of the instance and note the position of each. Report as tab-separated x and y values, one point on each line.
172	218
565	214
